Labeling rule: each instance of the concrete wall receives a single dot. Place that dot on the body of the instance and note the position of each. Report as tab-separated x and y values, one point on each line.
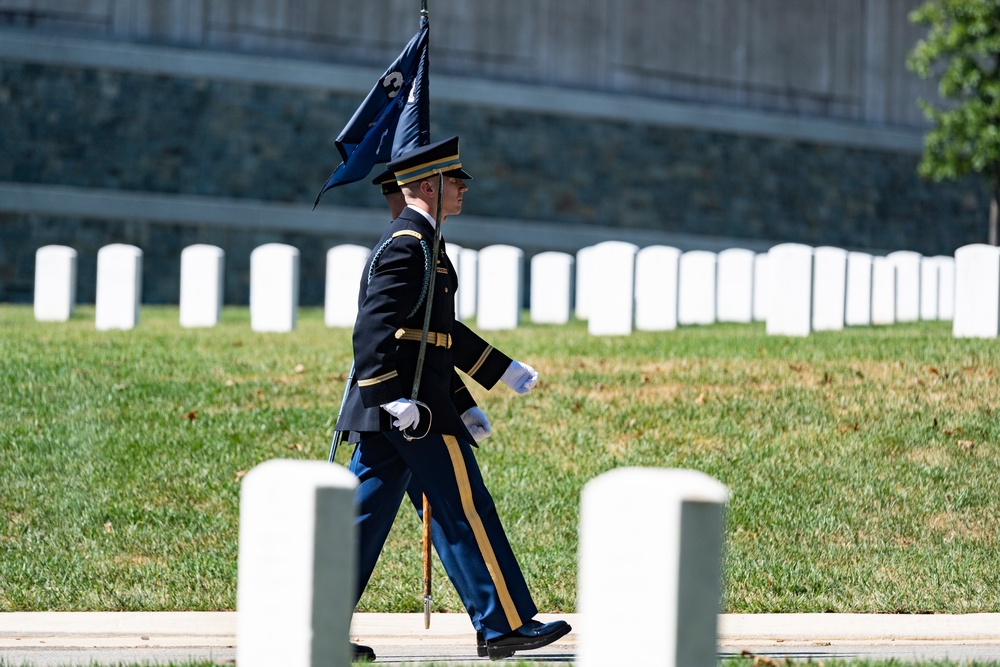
840	60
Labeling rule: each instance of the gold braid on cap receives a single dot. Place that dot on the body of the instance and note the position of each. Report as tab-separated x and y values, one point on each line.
422	171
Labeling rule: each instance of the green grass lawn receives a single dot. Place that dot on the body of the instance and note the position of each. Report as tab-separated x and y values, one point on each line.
862	464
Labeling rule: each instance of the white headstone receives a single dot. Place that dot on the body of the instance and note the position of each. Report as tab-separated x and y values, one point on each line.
345	265
651	544
907	284
500	281
829	288
55	283
789	311
696	287
761	287
656	273
929	289
295	580
977	291
454	252
551	288
858	309
202	271
612	296
883	291
585	279
734	289
946	287
468	289
119	286
274	287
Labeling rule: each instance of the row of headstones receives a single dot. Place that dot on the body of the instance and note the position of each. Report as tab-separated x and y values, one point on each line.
649	577
794	288
274	280
811	289
618	287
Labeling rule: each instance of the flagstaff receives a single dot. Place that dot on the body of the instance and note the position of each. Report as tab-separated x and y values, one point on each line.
426	513
425	547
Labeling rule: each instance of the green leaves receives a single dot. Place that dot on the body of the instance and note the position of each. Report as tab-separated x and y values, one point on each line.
962	48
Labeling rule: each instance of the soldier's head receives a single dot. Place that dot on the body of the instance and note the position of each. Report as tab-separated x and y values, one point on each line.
391	191
421	171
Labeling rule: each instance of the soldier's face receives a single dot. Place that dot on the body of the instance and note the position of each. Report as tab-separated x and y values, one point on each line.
451	196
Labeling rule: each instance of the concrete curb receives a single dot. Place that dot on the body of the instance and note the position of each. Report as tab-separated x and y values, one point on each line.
218	629
868	628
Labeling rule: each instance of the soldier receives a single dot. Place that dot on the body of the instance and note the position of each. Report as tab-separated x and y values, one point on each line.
391	308
396	202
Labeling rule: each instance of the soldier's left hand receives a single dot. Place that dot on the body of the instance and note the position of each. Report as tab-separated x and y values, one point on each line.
520	377
479	426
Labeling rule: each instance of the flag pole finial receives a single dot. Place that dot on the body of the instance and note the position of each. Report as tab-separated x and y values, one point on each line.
423	10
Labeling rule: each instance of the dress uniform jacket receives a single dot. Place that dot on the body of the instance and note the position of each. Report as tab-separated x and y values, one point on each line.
391	308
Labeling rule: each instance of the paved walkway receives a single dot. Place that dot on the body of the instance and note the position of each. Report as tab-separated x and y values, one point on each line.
59	639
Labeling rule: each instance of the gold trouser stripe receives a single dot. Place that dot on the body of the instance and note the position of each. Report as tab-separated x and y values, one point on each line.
469	507
482	360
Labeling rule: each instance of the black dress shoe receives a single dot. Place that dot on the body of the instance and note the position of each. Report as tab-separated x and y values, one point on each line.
529	636
361	653
480	645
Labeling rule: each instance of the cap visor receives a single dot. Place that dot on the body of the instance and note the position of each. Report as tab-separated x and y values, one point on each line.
458	173
384	177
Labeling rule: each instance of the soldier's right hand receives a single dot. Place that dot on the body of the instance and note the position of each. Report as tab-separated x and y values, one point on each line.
405	412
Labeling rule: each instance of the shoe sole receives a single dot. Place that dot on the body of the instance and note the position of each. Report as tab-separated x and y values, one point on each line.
362	656
505	650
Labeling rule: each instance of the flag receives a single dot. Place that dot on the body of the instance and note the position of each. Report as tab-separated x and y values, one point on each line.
413	129
369	137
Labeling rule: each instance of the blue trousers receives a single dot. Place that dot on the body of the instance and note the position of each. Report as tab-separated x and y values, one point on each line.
466	531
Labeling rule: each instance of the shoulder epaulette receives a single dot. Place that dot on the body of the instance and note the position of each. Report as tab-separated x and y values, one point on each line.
408	232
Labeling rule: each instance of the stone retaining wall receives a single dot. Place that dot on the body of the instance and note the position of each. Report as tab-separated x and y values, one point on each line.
83	126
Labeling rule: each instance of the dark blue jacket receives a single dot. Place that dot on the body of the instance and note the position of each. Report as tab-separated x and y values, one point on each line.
393	297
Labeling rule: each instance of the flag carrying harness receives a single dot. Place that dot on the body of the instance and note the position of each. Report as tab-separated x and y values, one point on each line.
427	270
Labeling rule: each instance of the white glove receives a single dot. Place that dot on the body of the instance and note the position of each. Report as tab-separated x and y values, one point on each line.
405	411
520	377
479	426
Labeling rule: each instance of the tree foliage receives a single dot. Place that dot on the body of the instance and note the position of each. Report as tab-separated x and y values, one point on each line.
962	47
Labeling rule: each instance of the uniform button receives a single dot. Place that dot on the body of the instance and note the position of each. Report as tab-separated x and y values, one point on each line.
445	290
